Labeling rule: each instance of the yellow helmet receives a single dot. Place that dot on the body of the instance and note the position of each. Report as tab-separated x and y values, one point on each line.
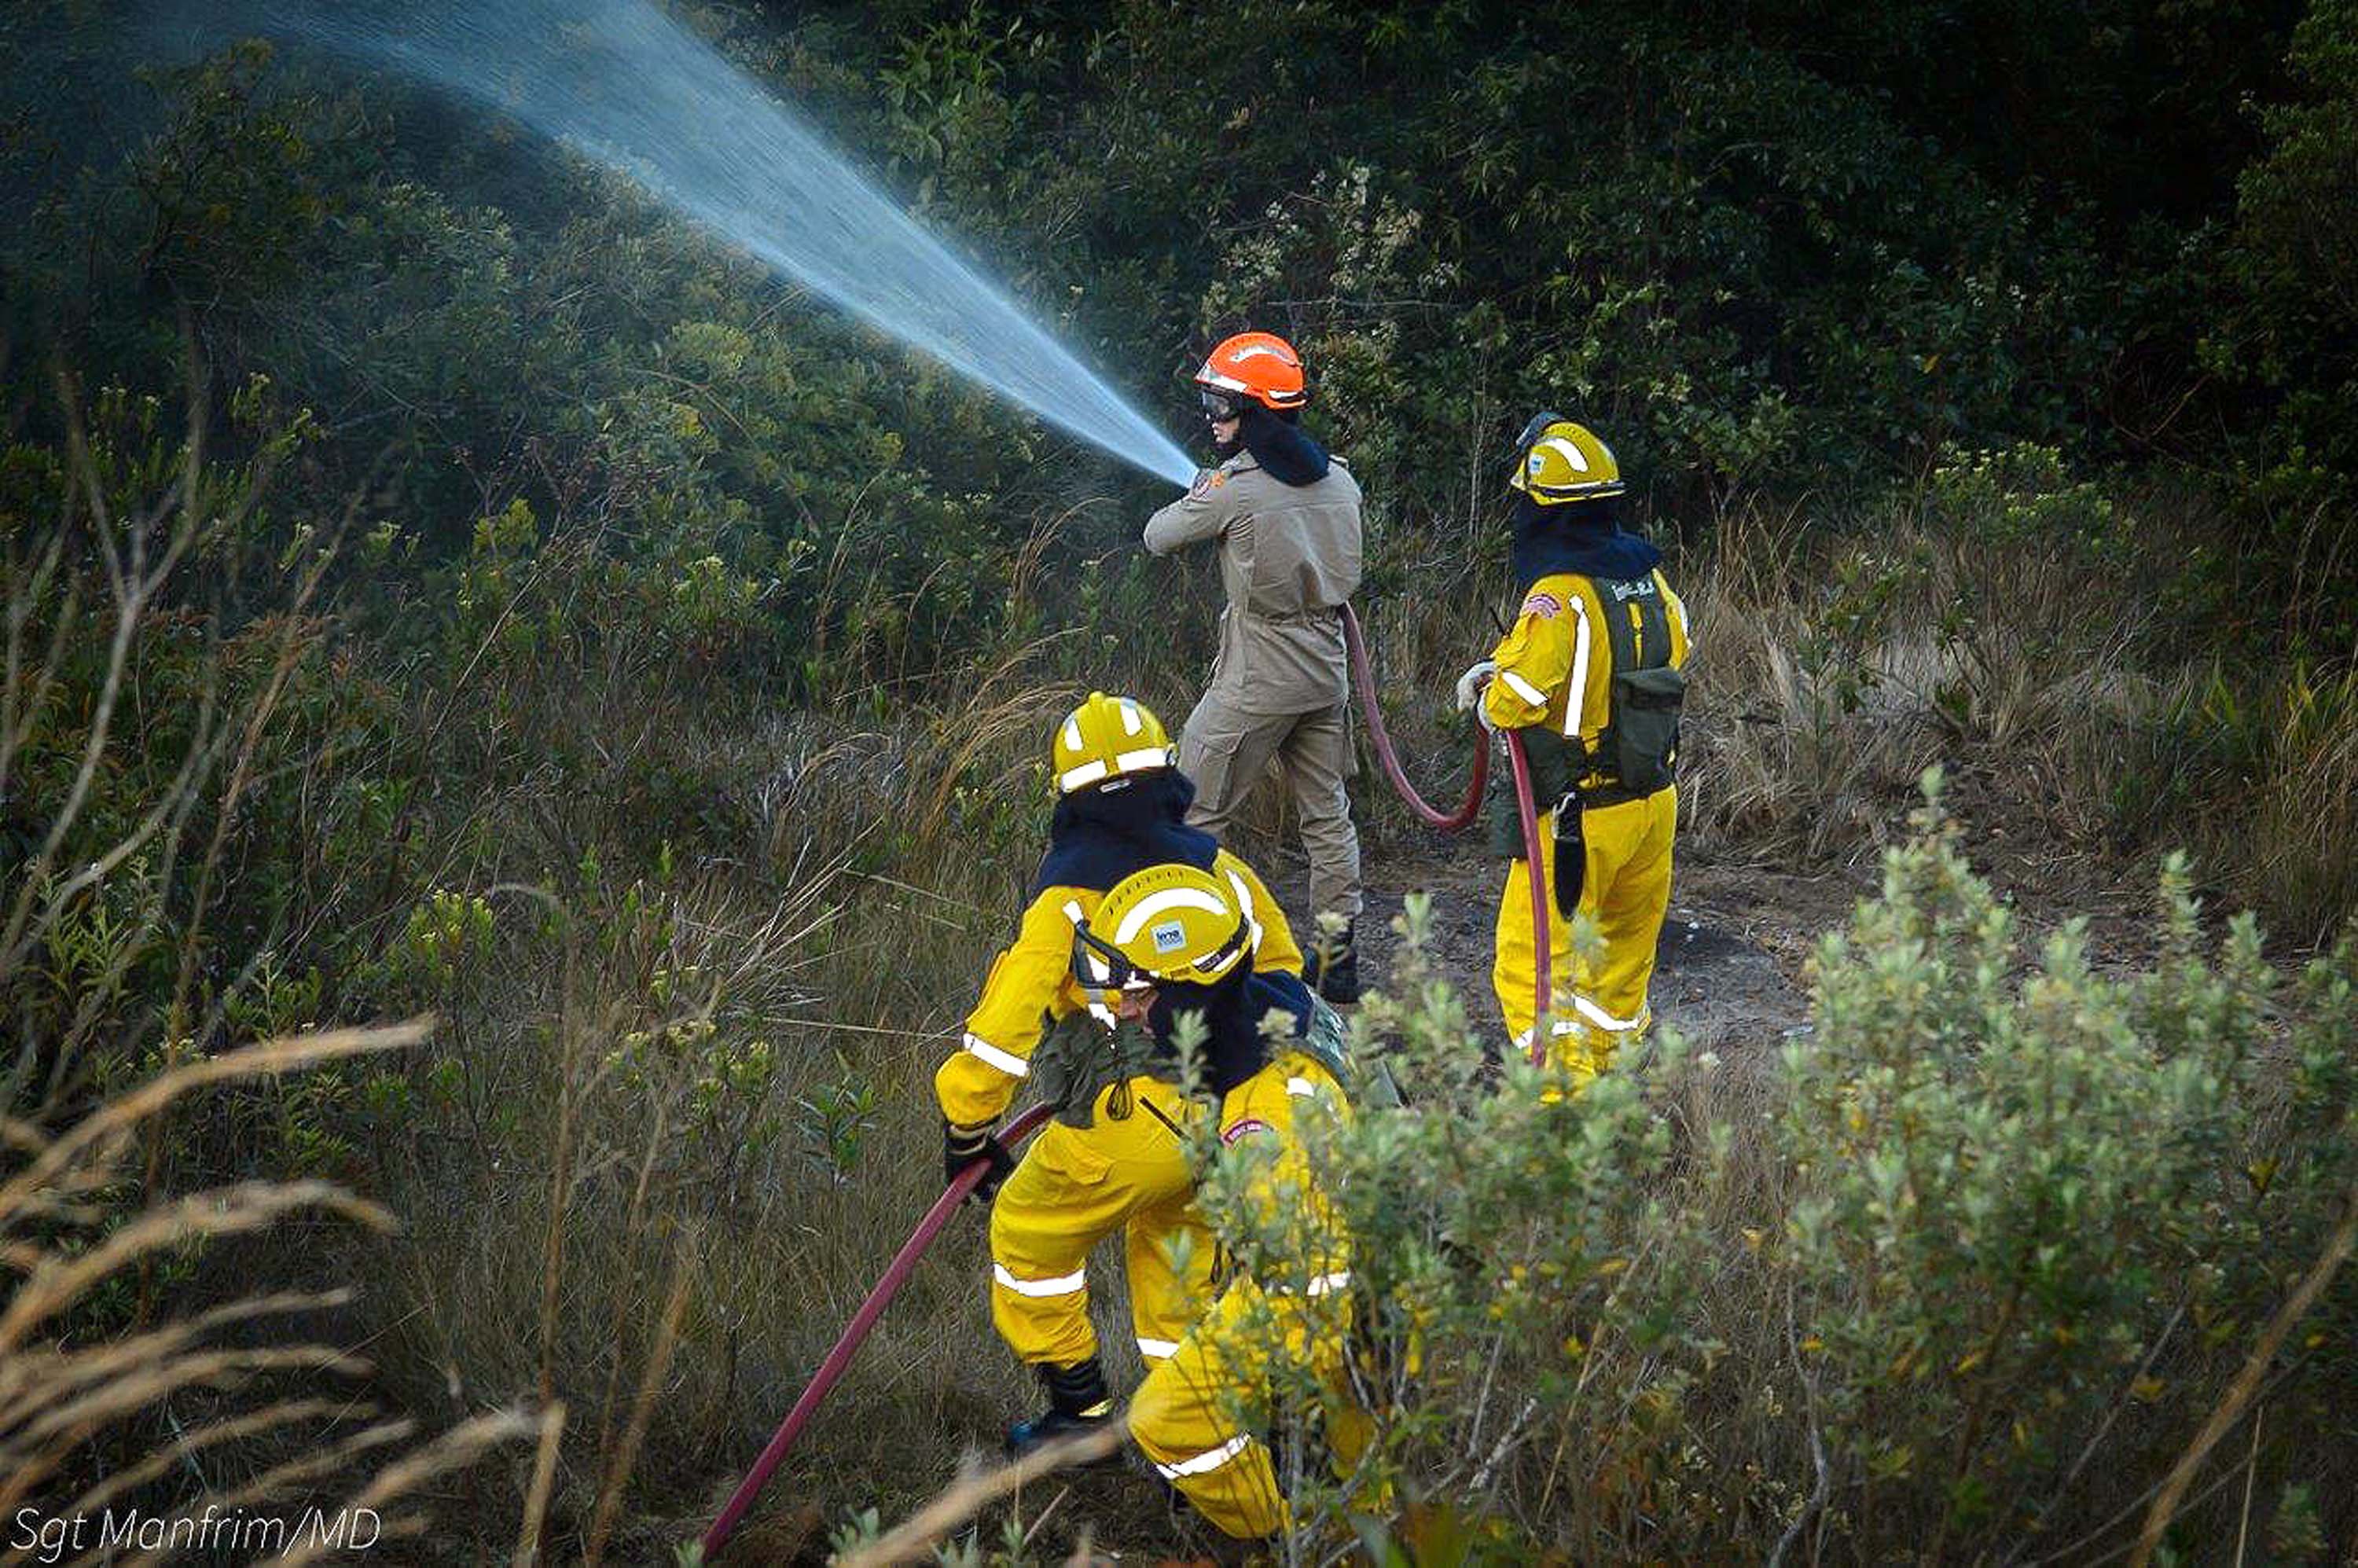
1558	461
1107	738
1171	924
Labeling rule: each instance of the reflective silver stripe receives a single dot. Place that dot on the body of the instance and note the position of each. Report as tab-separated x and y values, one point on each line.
1575	691
1063	1285
1152	757
1302	1088
1155	905
1005	1061
1215	378
1557	1029
1325	1285
1086	774
1523	689
1679	608
1159	1349
1130	717
1604	1020
1210	1459
1245	904
1564	448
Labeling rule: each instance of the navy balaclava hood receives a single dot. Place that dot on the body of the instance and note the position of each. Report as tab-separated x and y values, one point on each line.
1582	536
1100	836
1233	1047
1280	446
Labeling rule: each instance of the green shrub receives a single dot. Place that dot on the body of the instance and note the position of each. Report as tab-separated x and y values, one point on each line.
1965	1269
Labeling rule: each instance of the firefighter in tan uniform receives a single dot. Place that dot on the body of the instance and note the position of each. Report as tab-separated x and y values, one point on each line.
1590	676
1115	1155
1286	517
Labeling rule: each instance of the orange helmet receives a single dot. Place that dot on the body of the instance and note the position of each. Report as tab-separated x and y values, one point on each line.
1258	365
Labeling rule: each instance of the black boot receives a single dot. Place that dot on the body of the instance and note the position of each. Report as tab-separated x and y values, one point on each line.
1332	966
1077	1403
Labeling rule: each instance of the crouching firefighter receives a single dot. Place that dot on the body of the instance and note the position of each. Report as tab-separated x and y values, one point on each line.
1178	939
1590	677
1116	1156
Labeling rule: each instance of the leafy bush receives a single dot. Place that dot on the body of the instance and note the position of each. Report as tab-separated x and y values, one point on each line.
1963	1272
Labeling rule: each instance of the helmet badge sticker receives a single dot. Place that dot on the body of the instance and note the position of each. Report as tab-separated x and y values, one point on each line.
1169	938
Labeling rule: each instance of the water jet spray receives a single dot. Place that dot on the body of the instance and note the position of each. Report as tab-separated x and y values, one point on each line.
627	86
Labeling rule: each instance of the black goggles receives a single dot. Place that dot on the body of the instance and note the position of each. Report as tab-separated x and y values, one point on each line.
1093	957
1221	405
1534	430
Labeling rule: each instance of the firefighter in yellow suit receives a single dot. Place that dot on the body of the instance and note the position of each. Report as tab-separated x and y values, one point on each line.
1116	1156
1174	935
1590	676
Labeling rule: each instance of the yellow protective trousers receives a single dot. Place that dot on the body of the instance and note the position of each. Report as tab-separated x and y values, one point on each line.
1073	1188
1625	890
1200	1415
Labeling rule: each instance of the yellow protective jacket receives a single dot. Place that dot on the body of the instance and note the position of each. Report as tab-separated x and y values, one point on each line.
1030	986
1555	664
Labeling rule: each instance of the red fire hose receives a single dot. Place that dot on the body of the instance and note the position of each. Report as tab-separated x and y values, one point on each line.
1542	937
856	1331
1363	678
904	1262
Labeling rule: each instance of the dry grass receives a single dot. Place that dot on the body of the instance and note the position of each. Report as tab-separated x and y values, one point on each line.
62	1394
2064	702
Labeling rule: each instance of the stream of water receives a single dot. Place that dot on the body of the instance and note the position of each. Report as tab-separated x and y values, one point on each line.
623	84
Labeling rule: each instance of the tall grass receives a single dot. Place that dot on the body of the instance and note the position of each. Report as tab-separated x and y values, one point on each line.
697	949
2029	636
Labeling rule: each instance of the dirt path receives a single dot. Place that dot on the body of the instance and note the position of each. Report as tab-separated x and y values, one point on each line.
1729	970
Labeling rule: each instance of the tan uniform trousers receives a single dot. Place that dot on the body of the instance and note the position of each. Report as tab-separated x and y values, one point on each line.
1226	750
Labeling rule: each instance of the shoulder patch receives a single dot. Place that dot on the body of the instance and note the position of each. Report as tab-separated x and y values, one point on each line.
1241	1129
1205	482
1546	606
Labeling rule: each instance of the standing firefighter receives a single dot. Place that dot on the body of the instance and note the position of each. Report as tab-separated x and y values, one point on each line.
1589	677
1116	1156
1173	935
1287	519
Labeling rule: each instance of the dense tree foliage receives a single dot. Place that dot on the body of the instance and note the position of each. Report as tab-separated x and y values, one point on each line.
1771	247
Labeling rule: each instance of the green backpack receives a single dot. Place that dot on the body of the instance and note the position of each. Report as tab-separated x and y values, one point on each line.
1639	746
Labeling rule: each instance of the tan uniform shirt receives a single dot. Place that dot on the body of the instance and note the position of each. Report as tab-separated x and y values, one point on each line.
1289	557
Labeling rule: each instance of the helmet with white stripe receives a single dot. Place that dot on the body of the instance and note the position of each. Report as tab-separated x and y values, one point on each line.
1261	366
1171	924
1108	737
1557	460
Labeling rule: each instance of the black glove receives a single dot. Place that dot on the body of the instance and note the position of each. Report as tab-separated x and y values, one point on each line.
962	1146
